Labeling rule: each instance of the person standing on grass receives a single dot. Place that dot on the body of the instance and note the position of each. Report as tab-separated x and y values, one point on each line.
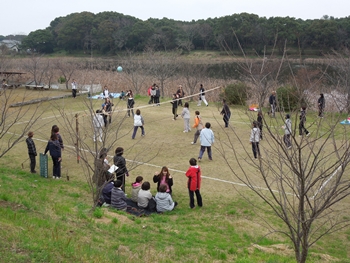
321	105
130	102
202	96
260	123
54	147
157	96
207	139
98	126
164	200
56	130
273	103
254	139
163	177
107	111
226	113
185	114
120	162
194	183
302	118
105	92
198	125
74	89
138	122
287	132
31	151
174	103
180	94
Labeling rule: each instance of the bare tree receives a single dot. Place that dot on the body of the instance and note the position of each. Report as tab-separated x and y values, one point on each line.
194	74
162	66
67	68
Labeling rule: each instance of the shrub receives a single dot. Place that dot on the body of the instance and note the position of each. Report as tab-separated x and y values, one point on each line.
289	99
236	93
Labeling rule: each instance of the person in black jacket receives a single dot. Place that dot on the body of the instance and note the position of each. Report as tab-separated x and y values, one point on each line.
31	151
130	102
321	104
107	111
226	113
273	103
302	118
120	162
54	147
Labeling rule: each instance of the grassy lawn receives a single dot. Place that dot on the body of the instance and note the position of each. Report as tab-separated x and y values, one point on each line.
46	220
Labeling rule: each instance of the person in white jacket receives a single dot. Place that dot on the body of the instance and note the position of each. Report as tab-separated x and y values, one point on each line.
254	139
163	200
138	122
98	126
185	114
207	139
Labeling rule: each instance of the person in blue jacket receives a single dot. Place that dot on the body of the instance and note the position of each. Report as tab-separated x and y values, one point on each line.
54	147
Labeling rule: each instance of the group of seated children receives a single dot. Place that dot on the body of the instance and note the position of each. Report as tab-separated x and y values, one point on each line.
114	196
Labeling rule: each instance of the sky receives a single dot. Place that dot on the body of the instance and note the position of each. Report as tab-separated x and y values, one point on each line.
24	16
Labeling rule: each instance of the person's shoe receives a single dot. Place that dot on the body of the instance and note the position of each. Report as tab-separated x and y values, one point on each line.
308	134
53	177
58	177
289	147
199	159
193	143
210	159
185	131
142	135
207	105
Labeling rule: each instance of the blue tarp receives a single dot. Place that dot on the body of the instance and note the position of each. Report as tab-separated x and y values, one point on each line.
100	96
345	122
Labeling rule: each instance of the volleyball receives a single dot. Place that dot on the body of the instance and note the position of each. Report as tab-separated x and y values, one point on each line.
119	69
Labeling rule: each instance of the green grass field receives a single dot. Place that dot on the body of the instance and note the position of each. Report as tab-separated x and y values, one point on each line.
46	220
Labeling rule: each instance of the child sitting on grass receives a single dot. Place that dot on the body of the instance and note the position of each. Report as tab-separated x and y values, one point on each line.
136	186
118	199
145	199
164	200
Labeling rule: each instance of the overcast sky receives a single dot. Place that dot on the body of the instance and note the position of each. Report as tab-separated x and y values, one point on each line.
24	16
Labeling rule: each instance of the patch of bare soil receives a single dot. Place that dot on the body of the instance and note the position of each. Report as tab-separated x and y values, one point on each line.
13	206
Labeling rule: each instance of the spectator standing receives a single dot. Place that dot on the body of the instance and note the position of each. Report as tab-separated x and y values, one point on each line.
302	118
98	126
287	131
207	139
202	96
180	94
74	88
254	139
273	103
54	147
194	183
105	92
120	162
174	102
198	125
107	111
185	114
130	103
31	151
226	113
321	105
153	93
55	129
157	96
138	122
260	123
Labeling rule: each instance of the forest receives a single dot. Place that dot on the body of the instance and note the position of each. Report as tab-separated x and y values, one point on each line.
108	33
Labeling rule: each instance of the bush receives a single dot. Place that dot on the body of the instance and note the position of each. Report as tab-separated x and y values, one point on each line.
61	80
236	93
289	99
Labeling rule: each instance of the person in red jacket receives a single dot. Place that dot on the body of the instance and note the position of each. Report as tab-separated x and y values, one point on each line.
194	183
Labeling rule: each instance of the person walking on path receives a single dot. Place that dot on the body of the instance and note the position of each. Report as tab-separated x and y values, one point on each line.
185	114
287	131
74	89
254	139
194	183
31	151
207	139
226	113
198	125
138	122
321	105
302	118
202	96
98	126
273	103
54	147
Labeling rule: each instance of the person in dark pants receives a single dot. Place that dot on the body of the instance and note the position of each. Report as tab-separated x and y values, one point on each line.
180	94
31	151
254	139
120	162
194	183
175	102
260	123
157	96
74	89
226	113
107	111
207	139
302	118
55	151
273	103
130	103
321	104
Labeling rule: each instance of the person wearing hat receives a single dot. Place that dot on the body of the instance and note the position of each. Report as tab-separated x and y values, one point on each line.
287	131
321	104
120	162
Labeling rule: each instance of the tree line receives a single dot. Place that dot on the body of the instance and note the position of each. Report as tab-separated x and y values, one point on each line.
111	32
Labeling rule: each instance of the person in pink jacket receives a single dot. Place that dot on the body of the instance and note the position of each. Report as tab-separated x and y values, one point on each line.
194	183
